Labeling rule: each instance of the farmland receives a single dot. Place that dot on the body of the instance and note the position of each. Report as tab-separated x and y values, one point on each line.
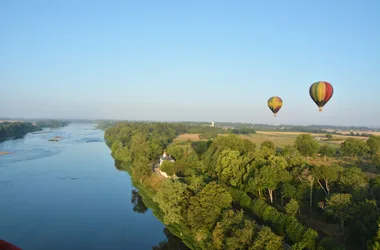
280	139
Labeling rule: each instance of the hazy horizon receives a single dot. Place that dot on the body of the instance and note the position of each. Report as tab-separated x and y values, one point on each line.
180	121
190	61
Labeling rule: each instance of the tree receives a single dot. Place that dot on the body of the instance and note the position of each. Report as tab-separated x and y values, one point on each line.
290	191
374	144
306	176
221	143
200	147
292	207
268	149
171	198
374	148
269	145
352	178
329	243
168	167
121	153
339	206
326	174
139	146
266	240
206	207
232	168
293	157
233	231
375	244
141	168
256	183
196	183
176	151
354	147
363	229
271	177
329	137
374	189
208	135
376	160
306	145
326	151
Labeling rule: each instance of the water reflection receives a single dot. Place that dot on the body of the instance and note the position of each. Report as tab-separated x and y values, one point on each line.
172	243
138	202
82	183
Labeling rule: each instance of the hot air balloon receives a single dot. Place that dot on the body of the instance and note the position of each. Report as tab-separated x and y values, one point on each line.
275	104
7	246
321	92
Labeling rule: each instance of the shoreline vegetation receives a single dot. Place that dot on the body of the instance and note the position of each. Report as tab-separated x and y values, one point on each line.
231	193
17	129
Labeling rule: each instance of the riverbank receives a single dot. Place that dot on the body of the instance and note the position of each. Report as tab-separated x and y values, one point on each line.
83	184
147	193
215	189
18	129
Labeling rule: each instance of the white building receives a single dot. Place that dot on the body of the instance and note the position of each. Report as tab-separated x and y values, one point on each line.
165	157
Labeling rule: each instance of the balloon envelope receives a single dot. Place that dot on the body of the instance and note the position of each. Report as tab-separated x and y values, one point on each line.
275	104
321	92
4	245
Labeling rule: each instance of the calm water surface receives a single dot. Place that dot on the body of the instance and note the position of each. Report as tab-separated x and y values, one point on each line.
69	195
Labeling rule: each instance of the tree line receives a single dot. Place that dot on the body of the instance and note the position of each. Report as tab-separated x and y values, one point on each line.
19	129
230	194
51	123
15	129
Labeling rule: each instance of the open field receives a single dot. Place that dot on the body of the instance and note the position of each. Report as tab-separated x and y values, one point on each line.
367	132
185	137
285	138
280	139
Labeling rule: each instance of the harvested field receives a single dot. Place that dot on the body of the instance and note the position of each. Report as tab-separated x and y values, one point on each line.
185	137
280	139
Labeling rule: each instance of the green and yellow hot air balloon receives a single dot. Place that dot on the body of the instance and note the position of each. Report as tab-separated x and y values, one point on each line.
321	92
275	104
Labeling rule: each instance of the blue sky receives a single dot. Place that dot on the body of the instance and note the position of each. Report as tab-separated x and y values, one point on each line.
190	60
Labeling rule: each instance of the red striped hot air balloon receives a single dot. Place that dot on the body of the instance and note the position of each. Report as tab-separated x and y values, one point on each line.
321	92
275	104
7	246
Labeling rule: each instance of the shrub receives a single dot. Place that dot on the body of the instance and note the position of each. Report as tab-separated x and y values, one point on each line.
329	244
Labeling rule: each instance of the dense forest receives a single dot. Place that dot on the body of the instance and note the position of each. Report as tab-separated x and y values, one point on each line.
228	193
19	129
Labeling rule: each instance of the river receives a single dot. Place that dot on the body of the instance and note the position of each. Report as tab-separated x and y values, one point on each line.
69	195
